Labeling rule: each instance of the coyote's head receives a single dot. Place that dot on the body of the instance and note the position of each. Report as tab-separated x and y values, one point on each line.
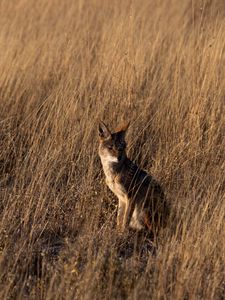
112	145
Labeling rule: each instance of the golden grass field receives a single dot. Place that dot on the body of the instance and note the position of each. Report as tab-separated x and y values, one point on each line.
65	65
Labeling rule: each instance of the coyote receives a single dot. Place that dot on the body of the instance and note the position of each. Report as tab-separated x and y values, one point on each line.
142	202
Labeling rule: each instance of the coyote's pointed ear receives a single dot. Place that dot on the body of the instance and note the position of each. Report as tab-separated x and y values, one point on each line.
104	132
121	131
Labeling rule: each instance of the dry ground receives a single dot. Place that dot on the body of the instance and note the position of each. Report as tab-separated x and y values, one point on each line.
64	66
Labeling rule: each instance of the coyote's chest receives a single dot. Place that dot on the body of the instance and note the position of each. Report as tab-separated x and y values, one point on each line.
116	187
112	180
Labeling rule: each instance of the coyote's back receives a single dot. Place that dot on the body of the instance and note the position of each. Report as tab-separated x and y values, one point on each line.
142	203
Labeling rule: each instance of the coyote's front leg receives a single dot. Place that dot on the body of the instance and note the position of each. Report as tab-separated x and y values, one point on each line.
120	215
129	209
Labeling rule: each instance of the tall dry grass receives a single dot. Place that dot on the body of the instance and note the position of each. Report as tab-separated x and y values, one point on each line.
64	66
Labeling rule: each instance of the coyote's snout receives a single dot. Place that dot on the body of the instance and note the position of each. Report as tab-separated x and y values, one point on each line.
141	199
